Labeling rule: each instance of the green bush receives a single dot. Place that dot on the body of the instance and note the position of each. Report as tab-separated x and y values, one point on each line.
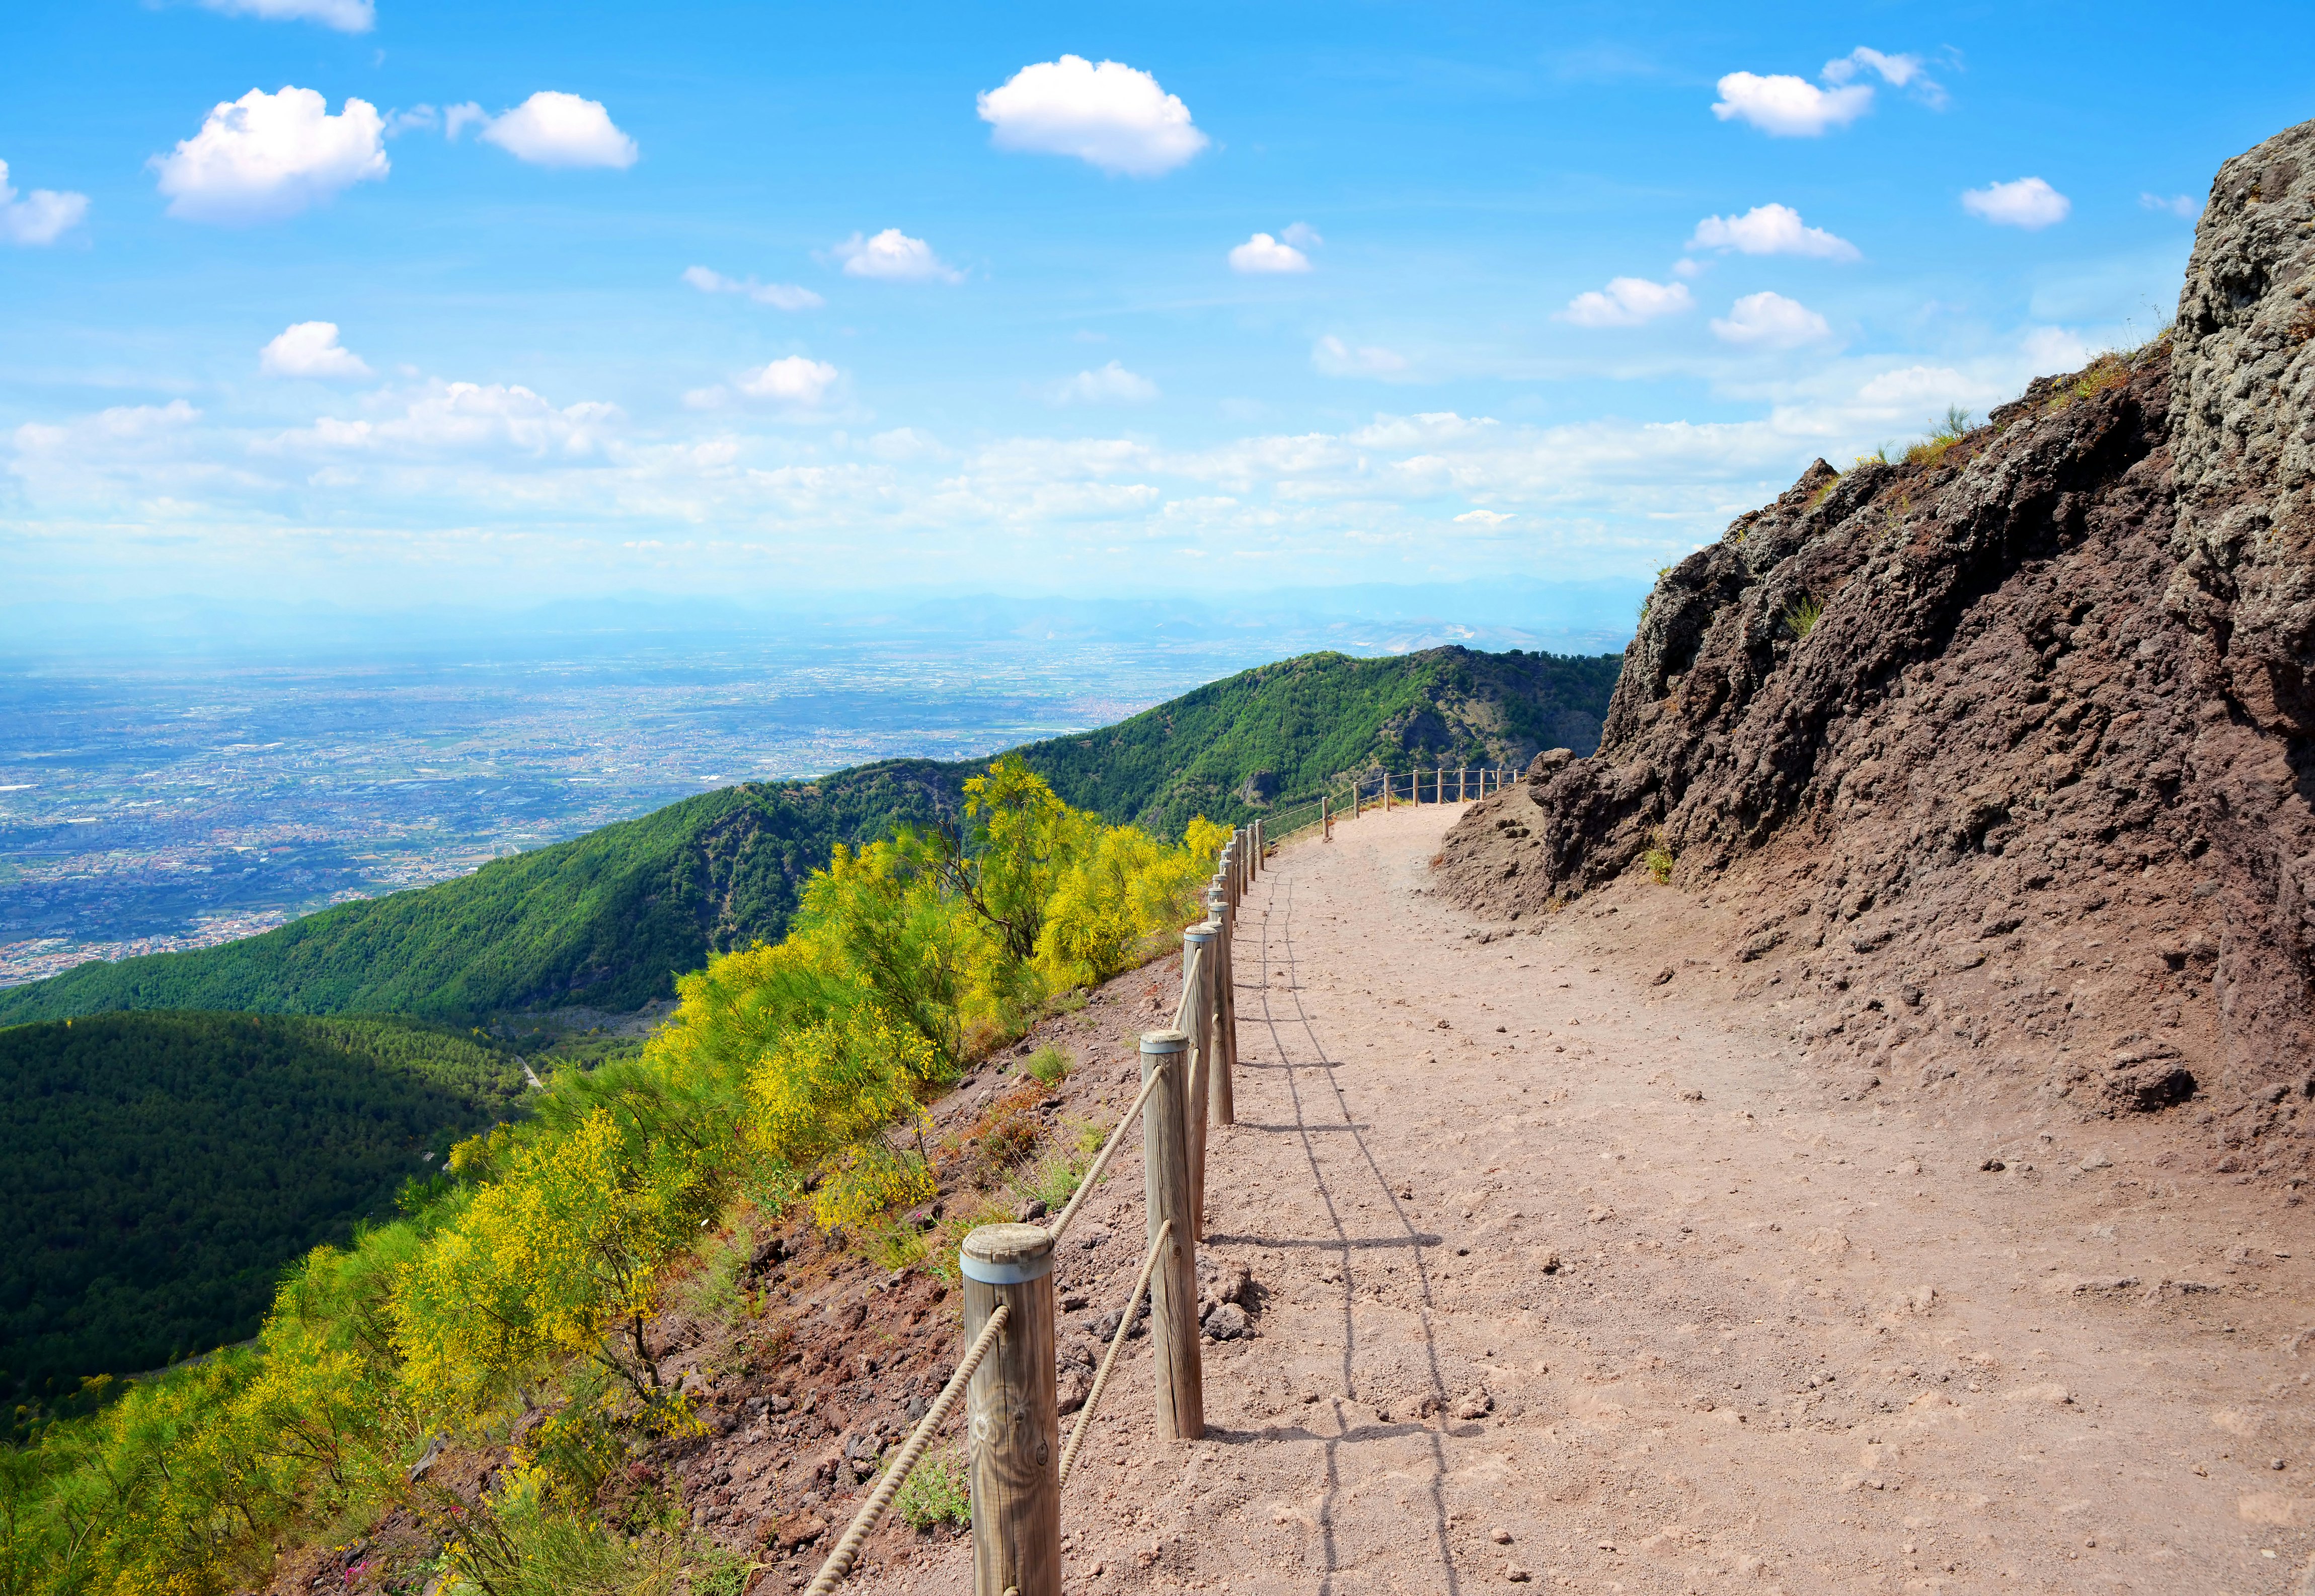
1048	1064
935	1492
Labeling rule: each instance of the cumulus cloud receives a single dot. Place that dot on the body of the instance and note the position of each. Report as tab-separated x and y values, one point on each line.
1489	518
347	16
2177	205
895	257
264	155
1262	253
1111	116
779	296
310	348
2029	203
1771	230
795	388
417	119
795	382
1111	384
42	217
1302	236
552	129
1332	357
1789	107
1771	321
457	119
1626	302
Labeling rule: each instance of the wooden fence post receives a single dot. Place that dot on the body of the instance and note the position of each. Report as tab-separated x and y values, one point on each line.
1206	938
1222	1083
1325	819
1013	1423
1386	792
1174	1287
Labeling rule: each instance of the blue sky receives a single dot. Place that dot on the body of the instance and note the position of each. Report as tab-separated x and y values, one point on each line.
759	301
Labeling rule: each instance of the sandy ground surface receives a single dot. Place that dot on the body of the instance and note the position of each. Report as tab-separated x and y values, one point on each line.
1583	1279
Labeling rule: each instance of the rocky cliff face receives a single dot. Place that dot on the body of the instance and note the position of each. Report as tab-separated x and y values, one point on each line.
2003	751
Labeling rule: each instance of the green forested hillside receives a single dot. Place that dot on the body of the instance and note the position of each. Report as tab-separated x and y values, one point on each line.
609	920
163	1168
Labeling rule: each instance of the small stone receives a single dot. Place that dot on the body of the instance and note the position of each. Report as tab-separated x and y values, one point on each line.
1228	1322
1996	1165
1516	1575
2274	1463
1499	1536
1477	1405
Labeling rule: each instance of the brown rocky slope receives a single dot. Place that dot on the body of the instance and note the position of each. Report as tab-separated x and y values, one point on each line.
2001	753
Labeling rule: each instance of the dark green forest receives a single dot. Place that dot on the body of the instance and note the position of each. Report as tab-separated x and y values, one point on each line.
162	1169
610	918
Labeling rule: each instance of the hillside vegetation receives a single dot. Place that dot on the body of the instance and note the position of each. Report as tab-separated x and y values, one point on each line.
511	1311
163	1168
609	920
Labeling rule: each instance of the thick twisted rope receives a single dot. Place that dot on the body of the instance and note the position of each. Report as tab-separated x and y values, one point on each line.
864	1521
1109	1358
1190	968
1101	1162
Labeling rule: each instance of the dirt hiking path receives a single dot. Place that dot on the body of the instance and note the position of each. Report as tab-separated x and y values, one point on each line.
1572	1280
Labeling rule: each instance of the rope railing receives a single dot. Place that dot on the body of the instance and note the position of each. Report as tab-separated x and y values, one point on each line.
872	1512
1100	1164
1116	1345
1008	1269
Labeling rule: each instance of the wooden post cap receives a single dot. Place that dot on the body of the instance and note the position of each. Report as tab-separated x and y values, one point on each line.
1007	1254
1162	1042
1202	933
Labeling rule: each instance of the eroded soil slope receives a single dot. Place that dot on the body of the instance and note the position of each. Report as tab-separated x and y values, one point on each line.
1996	760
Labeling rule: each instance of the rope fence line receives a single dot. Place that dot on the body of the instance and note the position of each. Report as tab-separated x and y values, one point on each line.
1109	1358
872	1512
1187	1073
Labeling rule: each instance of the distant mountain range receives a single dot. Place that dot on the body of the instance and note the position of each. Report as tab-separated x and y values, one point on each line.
607	920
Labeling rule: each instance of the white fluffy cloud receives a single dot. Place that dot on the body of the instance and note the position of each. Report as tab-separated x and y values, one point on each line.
268	155
795	388
1771	230
552	129
1789	107
1111	116
310	348
1332	357
1262	253
1626	302
41	217
779	296
795	381
895	257
1771	321
2029	203
1111	384
347	16
2177	205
